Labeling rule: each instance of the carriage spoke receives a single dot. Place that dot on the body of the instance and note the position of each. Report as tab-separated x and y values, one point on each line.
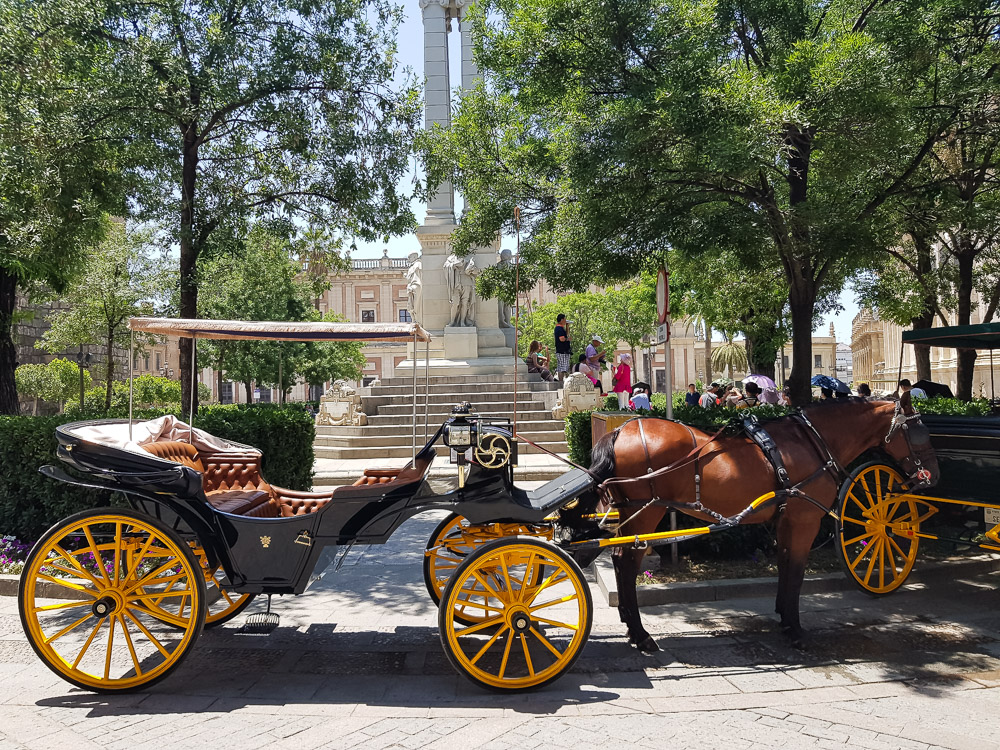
67	629
489	643
63	605
545	642
76	565
117	559
98	560
86	645
487	585
161	615
131	646
109	651
871	562
506	655
560	600
528	572
864	551
527	655
857	502
857	539
899	550
479	626
67	584
145	632
557	624
134	567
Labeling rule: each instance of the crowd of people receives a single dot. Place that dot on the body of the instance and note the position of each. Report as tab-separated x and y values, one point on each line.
635	395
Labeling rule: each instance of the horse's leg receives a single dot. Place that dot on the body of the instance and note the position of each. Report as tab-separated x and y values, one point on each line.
796	531
627	561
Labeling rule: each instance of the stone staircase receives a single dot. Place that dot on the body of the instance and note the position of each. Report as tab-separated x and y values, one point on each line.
389	407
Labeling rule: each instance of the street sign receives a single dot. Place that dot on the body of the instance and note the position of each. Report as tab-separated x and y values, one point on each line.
663	333
662	295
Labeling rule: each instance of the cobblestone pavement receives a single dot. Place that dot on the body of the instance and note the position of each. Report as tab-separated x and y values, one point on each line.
357	663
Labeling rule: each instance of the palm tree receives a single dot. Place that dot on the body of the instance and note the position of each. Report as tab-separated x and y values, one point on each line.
730	357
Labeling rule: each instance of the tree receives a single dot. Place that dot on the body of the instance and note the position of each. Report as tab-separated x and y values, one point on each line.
122	278
586	312
621	129
59	171
261	110
58	381
263	282
631	312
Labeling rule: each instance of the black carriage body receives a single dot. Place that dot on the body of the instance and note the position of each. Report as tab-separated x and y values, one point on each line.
278	555
968	453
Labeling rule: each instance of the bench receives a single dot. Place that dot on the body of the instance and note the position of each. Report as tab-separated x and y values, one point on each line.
232	482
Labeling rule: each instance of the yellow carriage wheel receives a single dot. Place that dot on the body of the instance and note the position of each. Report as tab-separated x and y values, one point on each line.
877	523
111	600
452	541
538	612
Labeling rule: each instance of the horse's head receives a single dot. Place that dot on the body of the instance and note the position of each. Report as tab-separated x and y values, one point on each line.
908	442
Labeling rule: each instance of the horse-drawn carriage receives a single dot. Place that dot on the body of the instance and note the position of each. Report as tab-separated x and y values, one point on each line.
114	598
882	520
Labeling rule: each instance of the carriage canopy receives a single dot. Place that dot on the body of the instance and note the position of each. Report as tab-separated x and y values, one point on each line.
263	330
982	336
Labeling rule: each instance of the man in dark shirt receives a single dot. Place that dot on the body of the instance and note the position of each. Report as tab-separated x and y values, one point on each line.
692	396
563	346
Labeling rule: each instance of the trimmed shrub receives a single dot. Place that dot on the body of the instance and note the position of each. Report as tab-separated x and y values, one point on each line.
578	436
30	502
952	407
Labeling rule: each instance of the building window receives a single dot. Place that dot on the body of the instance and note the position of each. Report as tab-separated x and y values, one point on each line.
367	316
369	365
135	361
265	396
784	361
404	316
157	361
315	392
818	361
145	362
367	381
226	394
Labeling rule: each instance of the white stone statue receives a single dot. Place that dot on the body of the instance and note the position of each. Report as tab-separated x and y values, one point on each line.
414	286
341	406
505	310
577	394
460	275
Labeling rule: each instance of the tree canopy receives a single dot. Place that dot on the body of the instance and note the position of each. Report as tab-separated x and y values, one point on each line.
624	129
59	169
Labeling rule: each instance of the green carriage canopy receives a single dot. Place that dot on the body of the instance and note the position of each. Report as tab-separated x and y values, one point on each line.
982	336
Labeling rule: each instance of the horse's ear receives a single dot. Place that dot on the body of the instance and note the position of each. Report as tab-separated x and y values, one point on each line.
906	401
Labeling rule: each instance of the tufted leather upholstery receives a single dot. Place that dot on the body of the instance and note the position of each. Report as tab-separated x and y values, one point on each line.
240	502
179	453
366	480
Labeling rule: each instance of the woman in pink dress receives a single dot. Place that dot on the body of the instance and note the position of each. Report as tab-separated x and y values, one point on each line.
622	380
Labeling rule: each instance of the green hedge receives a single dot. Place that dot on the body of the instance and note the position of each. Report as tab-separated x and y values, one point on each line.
979	407
30	502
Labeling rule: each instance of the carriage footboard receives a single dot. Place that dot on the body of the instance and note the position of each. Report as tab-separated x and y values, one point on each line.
559	491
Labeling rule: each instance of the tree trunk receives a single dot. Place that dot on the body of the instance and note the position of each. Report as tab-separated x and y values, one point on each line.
922	352
966	357
109	372
249	389
802	301
189	261
8	351
708	354
760	356
218	385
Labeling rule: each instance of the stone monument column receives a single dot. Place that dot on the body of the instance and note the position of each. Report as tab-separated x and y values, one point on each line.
437	96
466	329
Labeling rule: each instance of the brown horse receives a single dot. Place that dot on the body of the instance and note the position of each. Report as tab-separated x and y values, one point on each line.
733	471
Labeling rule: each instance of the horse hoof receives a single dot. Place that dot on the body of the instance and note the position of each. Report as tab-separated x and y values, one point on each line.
647	645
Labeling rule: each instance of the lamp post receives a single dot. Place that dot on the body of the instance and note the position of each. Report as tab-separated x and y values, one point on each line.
82	359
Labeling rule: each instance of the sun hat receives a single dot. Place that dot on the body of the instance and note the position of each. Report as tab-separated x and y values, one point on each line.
597	338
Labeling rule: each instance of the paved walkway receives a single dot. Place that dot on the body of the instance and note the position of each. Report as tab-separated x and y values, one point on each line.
356	663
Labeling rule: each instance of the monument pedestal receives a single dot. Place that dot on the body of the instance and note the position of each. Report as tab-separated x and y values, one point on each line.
461	342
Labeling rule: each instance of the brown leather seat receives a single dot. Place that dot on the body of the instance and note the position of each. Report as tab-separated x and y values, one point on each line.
241	502
178	452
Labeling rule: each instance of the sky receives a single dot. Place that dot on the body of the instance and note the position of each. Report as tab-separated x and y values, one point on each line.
411	56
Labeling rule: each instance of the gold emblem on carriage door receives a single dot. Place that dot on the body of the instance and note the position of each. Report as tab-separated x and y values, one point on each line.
265	542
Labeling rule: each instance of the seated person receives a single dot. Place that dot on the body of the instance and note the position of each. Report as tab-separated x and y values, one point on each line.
582	366
752	397
537	362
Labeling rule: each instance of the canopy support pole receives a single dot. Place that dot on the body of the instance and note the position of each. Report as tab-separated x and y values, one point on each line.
899	372
517	306
414	456
194	387
993	394
427	385
281	382
131	362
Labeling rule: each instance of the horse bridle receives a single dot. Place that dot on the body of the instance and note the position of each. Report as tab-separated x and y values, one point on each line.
920	475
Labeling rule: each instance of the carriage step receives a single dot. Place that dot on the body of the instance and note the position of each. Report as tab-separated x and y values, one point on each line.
260	623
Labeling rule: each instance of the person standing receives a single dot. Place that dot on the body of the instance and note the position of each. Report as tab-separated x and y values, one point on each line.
622	380
752	397
692	397
563	347
707	400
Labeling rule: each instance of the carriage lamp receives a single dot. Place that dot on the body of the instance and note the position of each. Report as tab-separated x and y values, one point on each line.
458	437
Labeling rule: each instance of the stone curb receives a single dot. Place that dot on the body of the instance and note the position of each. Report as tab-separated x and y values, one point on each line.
47	590
736	588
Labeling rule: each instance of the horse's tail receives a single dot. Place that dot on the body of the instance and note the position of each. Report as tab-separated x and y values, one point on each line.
602	457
